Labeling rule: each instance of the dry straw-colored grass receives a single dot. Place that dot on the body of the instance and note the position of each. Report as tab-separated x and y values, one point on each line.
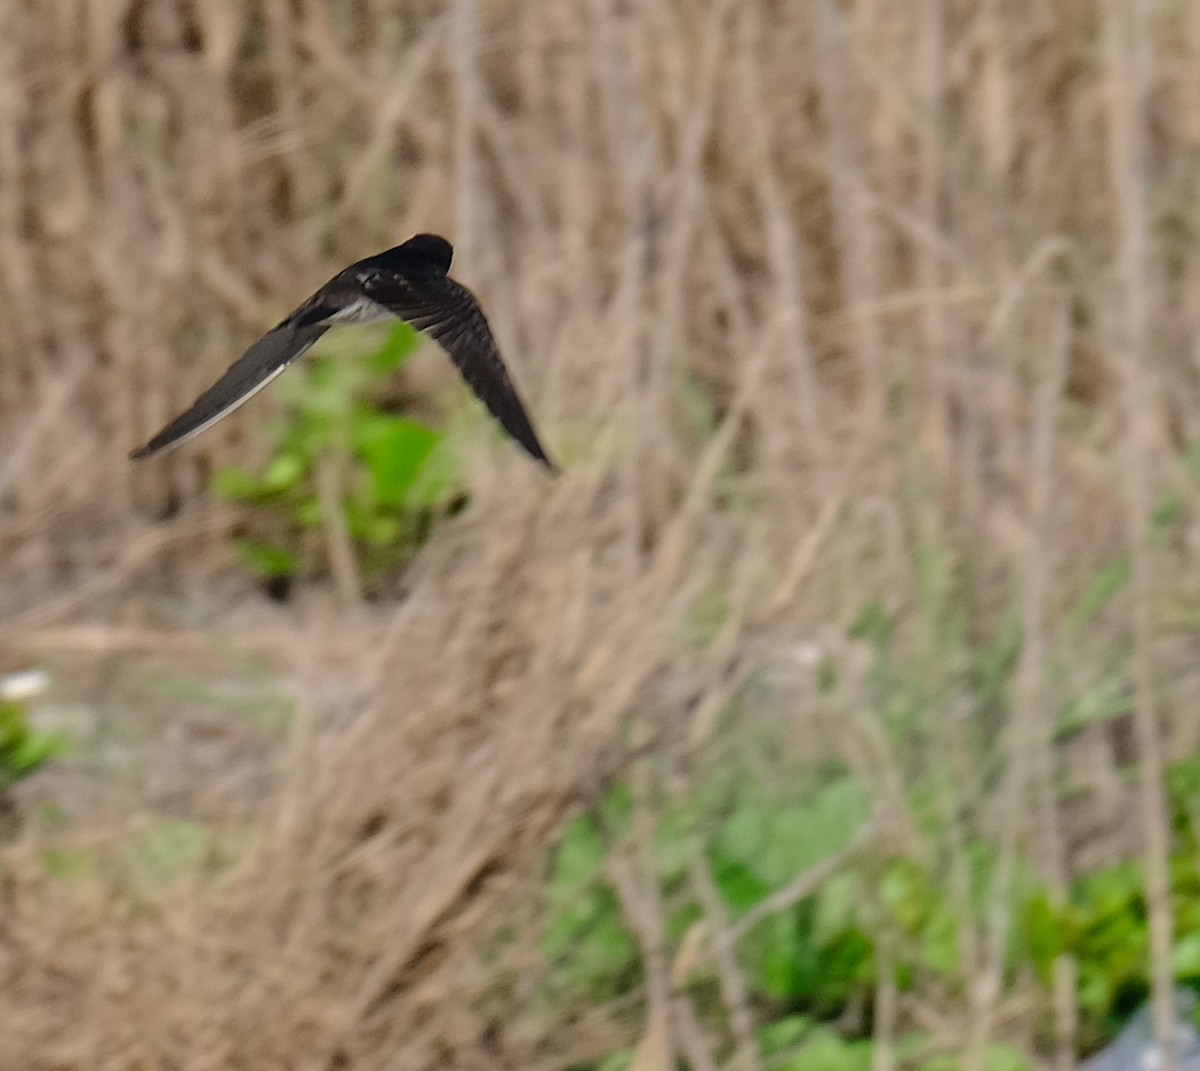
934	264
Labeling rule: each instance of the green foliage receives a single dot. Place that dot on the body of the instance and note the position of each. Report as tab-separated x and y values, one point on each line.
390	473
809	962
817	962
809	955
797	1043
22	748
996	1058
812	954
586	931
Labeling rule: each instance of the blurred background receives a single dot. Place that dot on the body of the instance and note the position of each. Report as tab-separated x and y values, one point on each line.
835	709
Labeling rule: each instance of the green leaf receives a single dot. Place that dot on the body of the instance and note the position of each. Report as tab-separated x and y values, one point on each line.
679	922
284	472
323	386
939	944
358	518
585	928
1186	957
438	479
579	859
776	956
745	835
265	559
393	449
35	749
824	1050
12	724
382	530
846	964
401	343
1005	1058
22	748
307	514
837	905
616	1061
996	1058
905	891
676	843
782	1034
740	888
1046	932
309	433
805	833
617	810
236	484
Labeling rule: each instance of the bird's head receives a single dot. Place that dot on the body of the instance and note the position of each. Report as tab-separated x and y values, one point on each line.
431	248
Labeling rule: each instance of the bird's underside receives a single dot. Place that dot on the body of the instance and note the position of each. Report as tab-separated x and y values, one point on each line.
408	282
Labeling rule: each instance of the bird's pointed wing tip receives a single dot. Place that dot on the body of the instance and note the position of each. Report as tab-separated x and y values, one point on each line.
151	447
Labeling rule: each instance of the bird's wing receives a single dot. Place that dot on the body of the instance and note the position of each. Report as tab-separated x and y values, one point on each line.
449	314
260	364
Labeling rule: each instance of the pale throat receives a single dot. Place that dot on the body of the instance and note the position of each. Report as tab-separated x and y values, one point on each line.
361	311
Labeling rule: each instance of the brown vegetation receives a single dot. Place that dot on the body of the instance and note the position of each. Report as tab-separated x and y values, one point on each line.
934	267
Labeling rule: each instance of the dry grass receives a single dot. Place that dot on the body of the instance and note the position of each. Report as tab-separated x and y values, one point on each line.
934	264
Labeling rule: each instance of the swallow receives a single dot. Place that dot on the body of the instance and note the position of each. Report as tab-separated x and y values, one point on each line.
407	282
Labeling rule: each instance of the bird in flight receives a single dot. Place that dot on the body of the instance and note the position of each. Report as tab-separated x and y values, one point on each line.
408	282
